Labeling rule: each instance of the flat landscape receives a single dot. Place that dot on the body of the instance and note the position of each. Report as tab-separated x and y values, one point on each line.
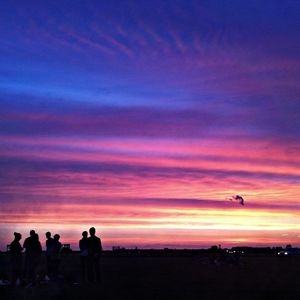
160	275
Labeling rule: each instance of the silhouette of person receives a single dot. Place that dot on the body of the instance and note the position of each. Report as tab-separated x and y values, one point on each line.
16	258
83	246
32	255
28	256
94	252
49	252
37	254
56	254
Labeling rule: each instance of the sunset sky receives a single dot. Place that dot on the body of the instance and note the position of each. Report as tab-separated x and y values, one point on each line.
142	117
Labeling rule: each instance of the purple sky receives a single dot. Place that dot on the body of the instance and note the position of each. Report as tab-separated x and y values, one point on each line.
142	117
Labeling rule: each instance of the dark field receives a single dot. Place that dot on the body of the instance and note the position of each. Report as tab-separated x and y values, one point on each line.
170	276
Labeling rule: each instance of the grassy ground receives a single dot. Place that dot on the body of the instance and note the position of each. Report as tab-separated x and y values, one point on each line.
171	277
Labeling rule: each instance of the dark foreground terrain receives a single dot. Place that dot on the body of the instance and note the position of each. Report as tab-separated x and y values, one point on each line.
169	276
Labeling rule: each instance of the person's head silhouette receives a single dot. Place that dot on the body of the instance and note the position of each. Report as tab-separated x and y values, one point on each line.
84	234
18	236
32	233
48	235
92	231
56	237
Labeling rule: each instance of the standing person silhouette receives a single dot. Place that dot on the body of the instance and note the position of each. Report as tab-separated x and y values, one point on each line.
56	254
94	252
83	246
28	265
16	258
37	253
49	253
32	255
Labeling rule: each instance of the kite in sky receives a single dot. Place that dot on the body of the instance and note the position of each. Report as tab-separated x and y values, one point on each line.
238	198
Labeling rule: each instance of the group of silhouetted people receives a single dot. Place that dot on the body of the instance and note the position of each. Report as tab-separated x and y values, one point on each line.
90	251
